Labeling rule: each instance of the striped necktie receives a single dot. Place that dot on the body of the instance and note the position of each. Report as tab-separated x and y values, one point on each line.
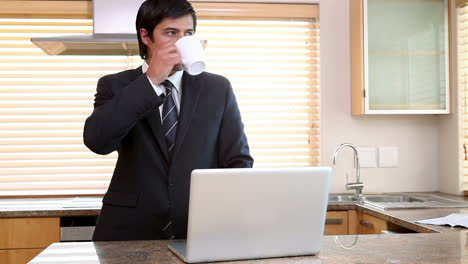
169	118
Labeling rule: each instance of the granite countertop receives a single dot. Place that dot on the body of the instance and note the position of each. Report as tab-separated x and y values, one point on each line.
90	206
406	217
50	207
447	248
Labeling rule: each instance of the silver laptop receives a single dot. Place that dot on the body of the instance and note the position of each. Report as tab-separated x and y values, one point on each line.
255	213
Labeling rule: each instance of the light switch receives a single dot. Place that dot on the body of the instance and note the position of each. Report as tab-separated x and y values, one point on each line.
367	157
388	157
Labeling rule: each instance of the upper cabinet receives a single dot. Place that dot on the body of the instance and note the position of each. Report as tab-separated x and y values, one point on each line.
400	56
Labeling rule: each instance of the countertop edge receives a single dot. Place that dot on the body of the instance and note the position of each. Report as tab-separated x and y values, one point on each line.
50	213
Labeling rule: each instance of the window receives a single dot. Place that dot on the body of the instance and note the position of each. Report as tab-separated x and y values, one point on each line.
272	62
273	68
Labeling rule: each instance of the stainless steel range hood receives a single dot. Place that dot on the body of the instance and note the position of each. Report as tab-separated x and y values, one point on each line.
114	32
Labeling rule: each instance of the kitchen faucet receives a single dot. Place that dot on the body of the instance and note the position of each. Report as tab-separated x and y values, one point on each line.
358	185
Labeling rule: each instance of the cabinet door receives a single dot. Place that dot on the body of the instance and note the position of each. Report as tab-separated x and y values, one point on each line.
353	222
336	223
18	233
405	67
18	256
371	225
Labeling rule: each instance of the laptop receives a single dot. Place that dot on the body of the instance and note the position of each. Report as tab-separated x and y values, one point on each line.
237	214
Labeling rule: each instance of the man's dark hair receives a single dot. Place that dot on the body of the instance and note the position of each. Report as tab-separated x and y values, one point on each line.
152	12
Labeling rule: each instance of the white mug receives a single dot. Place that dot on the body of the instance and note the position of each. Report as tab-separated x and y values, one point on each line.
193	56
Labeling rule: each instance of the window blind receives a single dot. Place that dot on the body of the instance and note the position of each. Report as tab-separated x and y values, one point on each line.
273	68
44	101
273	65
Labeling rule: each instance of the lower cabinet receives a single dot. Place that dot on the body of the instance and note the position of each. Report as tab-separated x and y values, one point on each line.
14	256
23	238
369	224
353	222
336	223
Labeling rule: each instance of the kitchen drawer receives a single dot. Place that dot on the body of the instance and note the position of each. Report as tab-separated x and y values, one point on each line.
336	223
29	233
18	256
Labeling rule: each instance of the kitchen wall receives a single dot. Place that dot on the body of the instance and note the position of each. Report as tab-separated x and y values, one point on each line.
450	136
428	144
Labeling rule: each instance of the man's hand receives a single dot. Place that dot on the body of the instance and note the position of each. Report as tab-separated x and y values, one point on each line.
162	62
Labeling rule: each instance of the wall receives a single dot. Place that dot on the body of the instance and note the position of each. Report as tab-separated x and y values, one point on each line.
416	136
450	134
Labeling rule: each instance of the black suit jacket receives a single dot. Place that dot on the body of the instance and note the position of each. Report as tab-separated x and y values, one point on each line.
147	189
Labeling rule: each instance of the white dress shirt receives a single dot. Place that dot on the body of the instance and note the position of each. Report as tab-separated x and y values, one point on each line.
175	79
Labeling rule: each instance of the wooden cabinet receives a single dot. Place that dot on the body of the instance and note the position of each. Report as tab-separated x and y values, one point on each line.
336	223
353	222
369	224
401	56
18	256
23	238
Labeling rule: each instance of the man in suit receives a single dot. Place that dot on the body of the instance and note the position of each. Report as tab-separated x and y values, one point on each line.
164	123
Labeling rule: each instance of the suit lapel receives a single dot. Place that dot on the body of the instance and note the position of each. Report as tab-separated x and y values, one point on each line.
190	94
154	121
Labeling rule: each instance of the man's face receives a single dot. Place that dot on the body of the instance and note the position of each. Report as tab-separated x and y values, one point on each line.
169	31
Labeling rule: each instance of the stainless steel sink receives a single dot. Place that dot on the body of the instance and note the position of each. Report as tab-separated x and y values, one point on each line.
413	202
338	198
391	199
388	201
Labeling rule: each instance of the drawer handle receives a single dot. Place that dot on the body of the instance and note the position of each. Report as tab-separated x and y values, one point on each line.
336	221
366	223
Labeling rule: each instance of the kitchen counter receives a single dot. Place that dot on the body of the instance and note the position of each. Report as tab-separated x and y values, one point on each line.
447	248
90	206
434	244
50	207
406	217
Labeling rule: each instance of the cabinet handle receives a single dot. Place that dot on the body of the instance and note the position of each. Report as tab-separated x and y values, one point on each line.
366	223
334	221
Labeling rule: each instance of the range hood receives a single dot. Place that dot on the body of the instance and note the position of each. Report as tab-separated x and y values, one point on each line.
114	32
